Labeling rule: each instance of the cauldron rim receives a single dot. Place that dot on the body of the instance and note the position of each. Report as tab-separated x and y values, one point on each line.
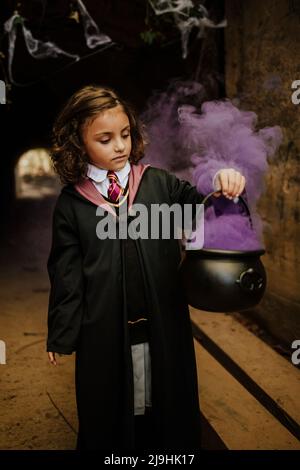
216	253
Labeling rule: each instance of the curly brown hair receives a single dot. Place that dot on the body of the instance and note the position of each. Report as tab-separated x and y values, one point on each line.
68	153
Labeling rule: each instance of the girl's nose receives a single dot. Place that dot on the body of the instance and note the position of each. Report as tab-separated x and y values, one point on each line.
120	145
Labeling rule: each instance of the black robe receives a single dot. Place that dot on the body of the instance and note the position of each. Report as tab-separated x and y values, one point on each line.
87	314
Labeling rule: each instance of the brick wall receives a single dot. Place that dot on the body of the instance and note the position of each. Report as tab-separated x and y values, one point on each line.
262	60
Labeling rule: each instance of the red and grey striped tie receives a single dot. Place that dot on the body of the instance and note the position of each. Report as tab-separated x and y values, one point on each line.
115	190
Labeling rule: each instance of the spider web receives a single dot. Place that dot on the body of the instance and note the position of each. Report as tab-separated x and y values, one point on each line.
92	34
187	16
42	50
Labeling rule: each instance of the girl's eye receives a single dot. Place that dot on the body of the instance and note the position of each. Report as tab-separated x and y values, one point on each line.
108	140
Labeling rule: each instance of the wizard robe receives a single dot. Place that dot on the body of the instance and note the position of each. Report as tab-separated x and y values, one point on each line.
87	314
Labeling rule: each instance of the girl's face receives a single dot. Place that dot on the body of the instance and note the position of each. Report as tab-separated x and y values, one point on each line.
107	139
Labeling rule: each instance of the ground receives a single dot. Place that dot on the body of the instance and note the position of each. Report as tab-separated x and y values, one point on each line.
37	401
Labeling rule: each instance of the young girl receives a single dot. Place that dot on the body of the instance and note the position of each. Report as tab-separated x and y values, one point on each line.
118	301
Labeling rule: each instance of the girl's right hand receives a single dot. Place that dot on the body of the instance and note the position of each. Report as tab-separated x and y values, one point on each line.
52	359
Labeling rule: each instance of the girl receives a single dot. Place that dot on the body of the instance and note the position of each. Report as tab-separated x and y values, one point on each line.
117	301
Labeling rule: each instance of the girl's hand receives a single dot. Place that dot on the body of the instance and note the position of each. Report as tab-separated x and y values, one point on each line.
230	183
52	359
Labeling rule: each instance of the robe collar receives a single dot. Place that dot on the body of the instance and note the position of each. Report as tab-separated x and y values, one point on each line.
87	189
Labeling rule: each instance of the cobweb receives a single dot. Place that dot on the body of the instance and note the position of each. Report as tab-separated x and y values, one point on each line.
43	50
187	16
36	48
92	34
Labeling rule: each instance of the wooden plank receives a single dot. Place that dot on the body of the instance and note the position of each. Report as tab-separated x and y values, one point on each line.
273	373
238	418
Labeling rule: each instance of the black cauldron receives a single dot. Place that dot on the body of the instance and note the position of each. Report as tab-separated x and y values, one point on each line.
223	280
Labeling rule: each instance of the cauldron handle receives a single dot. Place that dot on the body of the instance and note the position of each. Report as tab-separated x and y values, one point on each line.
240	198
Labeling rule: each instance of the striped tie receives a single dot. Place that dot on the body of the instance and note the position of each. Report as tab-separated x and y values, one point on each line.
115	189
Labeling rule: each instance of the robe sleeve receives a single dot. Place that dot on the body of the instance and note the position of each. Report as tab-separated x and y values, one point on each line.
182	192
64	266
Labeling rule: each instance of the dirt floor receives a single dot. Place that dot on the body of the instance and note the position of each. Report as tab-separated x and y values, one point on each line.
37	400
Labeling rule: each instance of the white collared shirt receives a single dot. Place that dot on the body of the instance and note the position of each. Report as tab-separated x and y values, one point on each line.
100	180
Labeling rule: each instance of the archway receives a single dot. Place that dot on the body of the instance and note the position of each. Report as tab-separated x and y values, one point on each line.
34	175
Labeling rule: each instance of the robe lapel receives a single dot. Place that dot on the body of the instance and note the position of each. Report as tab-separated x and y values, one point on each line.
87	189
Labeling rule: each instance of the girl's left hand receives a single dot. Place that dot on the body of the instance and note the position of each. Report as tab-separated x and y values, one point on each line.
230	183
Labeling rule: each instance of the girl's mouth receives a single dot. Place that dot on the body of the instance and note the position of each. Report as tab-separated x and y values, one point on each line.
120	158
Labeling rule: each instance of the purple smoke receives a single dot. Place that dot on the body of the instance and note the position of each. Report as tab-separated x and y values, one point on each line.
196	144
165	149
223	136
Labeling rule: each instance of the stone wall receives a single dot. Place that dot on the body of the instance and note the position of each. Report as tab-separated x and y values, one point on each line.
262	60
